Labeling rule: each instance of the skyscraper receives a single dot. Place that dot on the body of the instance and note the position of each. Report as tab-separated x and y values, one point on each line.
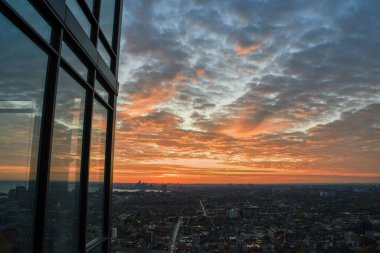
58	89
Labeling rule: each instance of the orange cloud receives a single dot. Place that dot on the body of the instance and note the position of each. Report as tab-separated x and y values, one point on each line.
246	49
244	128
302	111
169	173
234	148
150	95
154	148
200	72
142	102
241	125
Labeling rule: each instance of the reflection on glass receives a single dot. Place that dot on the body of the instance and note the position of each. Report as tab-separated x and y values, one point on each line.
79	15
61	232
101	91
22	81
98	249
32	17
90	4
104	53
74	61
95	198
107	15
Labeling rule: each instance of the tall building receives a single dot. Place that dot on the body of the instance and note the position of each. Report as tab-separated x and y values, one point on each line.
58	89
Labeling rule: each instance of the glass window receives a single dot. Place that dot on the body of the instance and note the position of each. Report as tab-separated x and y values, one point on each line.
98	249
90	4
74	61
106	19
61	232
79	15
95	197
32	17
104	53
22	82
101	91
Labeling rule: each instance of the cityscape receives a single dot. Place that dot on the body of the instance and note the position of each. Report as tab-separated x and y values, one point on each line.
211	218
62	219
189	126
246	218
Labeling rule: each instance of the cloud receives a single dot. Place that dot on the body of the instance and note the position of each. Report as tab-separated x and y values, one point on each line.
291	88
200	72
246	49
205	106
145	100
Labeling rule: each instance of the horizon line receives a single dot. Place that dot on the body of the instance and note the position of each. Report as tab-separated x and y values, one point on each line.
300	183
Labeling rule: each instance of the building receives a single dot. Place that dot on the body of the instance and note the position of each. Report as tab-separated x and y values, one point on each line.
164	188
150	236
58	89
327	194
234	213
249	211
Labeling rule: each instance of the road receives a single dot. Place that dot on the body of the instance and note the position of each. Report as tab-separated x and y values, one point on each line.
174	236
203	209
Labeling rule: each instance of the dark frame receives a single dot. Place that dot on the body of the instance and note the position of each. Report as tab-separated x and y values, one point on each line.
66	28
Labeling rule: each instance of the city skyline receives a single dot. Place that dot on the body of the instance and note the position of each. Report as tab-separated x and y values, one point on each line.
249	92
228	126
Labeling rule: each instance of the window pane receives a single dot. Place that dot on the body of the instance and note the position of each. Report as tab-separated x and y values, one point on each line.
107	15
101	91
98	249
79	15
61	231
90	4
22	81
74	61
27	11
104	53
95	198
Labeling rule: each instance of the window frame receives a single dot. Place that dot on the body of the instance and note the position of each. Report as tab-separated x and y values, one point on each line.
54	12
86	88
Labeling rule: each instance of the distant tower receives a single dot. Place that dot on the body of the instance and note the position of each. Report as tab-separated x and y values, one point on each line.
164	188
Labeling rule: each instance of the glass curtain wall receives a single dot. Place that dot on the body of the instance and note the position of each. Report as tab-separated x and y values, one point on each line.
21	97
61	232
95	196
56	119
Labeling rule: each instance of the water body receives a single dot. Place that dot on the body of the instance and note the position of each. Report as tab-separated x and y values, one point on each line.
135	190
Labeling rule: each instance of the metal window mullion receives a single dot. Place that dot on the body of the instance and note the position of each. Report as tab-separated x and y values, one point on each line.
117	34
106	45
27	29
77	77
97	10
100	36
54	6
81	54
45	144
96	15
87	11
86	151
111	119
85	168
103	102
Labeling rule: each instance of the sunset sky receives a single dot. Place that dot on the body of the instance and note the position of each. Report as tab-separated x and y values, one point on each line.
249	92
